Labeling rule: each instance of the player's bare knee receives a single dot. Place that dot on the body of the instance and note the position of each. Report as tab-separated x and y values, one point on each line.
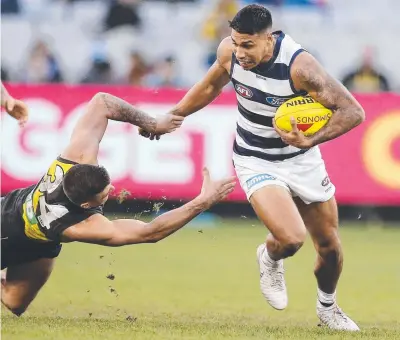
291	248
291	244
330	250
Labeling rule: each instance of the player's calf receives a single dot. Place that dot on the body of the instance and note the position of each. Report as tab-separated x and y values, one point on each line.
329	263
275	208
22	283
327	271
8	298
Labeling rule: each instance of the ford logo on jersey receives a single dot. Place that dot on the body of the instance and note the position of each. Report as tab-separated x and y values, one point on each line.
275	101
243	91
251	182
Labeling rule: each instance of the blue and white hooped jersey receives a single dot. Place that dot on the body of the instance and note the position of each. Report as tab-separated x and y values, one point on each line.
260	91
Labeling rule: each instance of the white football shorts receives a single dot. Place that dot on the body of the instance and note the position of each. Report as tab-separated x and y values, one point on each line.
304	176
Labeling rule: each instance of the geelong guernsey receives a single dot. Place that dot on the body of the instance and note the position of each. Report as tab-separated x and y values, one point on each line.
260	91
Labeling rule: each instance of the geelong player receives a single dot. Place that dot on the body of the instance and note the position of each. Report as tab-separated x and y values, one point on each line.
283	174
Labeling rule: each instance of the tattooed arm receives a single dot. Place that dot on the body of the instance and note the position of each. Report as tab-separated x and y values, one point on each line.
308	75
90	128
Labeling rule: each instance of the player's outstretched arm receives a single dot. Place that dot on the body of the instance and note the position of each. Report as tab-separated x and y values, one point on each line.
207	89
309	75
14	107
99	230
91	126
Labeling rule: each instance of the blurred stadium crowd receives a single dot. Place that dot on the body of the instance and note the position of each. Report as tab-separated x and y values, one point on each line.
154	43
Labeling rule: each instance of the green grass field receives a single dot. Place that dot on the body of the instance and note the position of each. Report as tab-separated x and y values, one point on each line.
202	283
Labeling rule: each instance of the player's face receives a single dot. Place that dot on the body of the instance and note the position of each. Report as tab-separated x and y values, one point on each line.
252	49
100	198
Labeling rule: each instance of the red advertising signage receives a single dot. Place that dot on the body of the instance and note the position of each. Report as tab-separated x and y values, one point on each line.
364	164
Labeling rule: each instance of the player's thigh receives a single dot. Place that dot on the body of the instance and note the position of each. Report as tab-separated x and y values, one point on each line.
275	207
321	220
23	282
308	178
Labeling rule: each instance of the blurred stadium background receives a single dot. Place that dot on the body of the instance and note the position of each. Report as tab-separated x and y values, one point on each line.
56	54
149	52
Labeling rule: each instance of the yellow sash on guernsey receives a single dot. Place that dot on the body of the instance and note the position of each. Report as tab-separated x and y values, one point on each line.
35	205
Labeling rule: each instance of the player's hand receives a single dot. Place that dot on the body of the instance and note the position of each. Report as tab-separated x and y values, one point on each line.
214	191
165	124
17	109
295	137
148	135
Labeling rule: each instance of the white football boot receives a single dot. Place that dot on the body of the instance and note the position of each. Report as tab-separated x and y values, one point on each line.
334	318
272	281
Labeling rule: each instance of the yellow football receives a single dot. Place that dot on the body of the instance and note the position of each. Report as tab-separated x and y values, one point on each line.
310	115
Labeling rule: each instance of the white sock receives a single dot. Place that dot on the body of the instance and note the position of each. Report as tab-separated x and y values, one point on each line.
326	298
266	259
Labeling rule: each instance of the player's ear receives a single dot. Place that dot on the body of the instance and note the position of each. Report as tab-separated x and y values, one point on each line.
267	36
85	205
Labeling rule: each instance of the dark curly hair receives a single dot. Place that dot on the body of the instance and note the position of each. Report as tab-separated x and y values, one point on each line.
84	181
251	19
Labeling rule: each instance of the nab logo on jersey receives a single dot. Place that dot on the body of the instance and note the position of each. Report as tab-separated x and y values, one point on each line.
243	91
275	101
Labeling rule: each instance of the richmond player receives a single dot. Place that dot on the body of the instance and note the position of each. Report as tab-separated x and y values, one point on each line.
67	204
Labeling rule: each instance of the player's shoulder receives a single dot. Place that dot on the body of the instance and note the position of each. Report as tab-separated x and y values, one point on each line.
225	50
63	163
304	64
55	174
307	73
